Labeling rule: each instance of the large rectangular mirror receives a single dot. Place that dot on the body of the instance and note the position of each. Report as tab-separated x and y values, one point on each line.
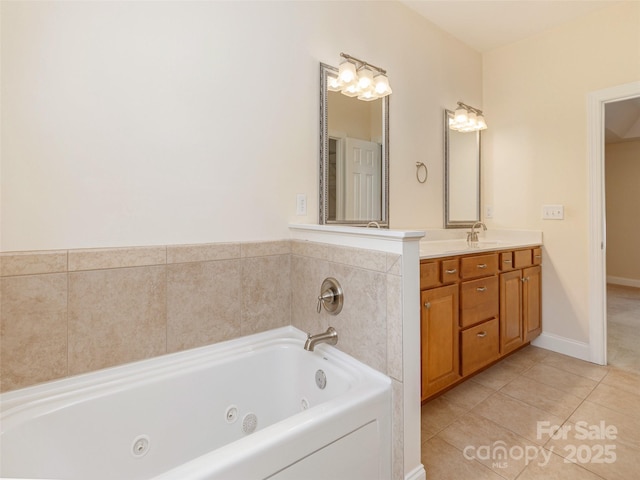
354	157
461	176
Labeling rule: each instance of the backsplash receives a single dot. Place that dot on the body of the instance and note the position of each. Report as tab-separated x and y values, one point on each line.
69	312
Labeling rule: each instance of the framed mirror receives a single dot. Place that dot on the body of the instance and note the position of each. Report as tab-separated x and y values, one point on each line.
461	176
354	157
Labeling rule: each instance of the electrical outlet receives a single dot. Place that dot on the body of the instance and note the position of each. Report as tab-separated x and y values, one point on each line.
488	211
301	204
553	212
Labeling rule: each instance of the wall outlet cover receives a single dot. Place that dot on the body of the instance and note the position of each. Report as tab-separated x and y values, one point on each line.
553	212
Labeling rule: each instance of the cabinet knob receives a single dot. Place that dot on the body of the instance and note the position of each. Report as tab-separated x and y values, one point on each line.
482	334
427	305
482	265
481	289
525	279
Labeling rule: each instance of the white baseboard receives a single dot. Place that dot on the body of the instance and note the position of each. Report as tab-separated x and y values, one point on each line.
627	282
566	346
418	473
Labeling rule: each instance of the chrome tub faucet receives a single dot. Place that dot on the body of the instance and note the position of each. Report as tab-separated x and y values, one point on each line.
330	337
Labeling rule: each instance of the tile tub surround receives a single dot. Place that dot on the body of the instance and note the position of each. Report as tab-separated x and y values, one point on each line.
69	312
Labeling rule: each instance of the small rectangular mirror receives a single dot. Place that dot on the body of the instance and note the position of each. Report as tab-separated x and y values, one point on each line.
461	176
354	157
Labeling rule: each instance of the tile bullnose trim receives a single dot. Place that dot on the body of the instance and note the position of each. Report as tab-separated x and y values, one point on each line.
33	262
120	257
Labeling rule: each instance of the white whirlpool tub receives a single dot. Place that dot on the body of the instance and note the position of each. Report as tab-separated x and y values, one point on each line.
246	409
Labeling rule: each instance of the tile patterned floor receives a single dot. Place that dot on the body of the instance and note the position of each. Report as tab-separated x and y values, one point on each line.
500	424
623	327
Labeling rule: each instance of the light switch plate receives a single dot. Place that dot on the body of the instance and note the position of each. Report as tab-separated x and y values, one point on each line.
301	204
553	212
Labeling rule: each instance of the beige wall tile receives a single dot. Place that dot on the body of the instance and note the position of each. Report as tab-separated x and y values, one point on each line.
266	293
362	324
394	264
397	430
310	249
116	316
394	326
358	257
203	303
261	249
103	258
202	252
31	263
33	326
307	275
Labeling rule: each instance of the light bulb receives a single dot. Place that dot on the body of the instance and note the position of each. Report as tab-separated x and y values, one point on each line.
347	72
333	83
351	90
460	116
381	85
365	78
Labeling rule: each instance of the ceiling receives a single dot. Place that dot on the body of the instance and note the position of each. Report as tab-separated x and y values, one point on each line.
488	24
485	25
622	121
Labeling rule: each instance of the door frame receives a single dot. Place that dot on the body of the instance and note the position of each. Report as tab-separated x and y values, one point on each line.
597	247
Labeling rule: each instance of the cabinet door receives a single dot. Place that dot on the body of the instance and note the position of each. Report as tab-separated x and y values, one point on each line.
480	346
511	328
439	339
531	302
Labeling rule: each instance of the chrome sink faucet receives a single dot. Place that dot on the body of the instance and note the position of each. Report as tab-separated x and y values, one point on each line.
330	337
472	236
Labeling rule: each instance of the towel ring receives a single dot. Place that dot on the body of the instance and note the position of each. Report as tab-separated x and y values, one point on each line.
425	175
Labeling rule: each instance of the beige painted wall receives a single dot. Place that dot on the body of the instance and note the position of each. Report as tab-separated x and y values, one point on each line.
535	150
622	176
150	123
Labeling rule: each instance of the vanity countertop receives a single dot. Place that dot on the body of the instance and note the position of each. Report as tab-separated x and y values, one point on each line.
435	244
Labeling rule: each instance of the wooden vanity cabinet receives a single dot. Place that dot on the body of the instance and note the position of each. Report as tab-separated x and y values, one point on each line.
520	300
439	338
476	309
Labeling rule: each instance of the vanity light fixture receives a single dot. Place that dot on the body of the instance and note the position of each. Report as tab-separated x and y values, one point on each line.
467	119
357	78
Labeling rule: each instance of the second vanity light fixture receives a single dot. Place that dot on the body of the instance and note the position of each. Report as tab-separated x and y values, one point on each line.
357	78
467	119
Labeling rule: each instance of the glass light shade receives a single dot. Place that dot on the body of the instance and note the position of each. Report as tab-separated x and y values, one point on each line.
460	116
481	124
368	95
333	83
351	90
347	72
365	78
381	85
472	120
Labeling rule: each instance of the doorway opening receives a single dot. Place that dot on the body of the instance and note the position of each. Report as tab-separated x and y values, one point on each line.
597	102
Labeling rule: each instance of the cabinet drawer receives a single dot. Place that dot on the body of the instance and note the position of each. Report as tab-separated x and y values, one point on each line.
480	346
537	256
522	258
479	266
429	275
506	261
450	270
479	300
